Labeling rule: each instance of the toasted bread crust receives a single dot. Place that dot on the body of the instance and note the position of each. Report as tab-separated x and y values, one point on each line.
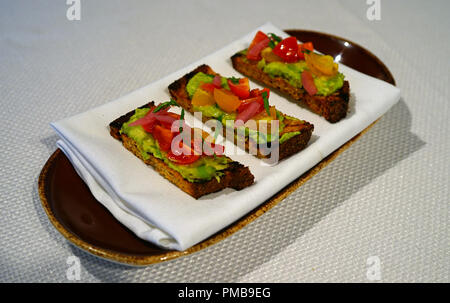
295	144
236	176
333	107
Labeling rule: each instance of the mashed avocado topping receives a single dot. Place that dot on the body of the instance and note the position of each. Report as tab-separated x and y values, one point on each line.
287	136
327	86
199	78
214	111
292	73
204	169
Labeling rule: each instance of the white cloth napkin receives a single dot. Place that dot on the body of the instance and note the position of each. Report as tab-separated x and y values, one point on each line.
155	209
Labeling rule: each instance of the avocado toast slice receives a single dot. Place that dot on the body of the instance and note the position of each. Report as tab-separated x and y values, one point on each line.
330	94
199	176
294	133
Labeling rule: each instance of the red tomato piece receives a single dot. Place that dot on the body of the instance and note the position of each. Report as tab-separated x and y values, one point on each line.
302	47
260	36
149	127
258	92
241	89
182	158
245	103
287	50
164	137
209	87
166	120
184	155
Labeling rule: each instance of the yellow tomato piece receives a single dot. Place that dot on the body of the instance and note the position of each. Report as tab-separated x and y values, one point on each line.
202	98
321	65
226	100
263	114
263	120
269	55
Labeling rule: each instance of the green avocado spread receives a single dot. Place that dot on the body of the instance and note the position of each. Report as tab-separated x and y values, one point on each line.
291	72
199	78
204	169
214	111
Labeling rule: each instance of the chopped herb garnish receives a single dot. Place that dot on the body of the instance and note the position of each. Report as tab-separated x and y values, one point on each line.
306	51
271	44
164	105
266	102
181	120
234	80
274	39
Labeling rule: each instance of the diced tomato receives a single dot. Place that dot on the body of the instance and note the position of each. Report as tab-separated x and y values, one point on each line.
241	89
287	50
308	83
263	114
166	120
245	103
182	158
151	119
161	126
149	127
302	47
209	87
176	116
258	92
164	137
260	42
260	36
226	100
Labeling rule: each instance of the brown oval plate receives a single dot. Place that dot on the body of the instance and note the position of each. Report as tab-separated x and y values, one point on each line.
82	220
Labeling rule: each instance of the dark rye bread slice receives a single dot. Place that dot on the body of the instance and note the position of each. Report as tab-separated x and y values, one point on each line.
236	176
332	107
291	146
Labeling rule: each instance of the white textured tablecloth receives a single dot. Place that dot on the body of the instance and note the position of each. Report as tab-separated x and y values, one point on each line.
387	196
